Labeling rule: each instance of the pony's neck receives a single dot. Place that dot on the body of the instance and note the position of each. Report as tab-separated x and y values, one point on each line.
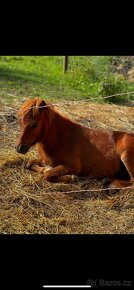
58	128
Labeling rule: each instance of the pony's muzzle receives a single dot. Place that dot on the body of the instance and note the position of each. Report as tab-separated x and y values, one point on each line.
21	148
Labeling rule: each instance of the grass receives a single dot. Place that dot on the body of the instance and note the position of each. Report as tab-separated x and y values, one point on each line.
87	77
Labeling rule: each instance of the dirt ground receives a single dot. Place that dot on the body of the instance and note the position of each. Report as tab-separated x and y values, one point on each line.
29	204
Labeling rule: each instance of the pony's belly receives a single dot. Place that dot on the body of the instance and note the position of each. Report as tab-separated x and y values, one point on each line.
102	169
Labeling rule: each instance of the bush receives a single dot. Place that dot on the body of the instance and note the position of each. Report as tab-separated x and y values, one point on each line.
115	84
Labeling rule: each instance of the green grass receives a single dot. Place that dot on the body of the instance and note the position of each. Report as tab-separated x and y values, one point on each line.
42	76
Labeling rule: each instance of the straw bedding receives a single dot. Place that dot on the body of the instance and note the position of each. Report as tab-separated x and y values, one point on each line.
29	204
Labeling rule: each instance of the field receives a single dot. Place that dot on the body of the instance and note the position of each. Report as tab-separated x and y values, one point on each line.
28	203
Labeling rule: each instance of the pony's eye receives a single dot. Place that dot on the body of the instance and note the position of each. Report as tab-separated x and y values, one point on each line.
34	125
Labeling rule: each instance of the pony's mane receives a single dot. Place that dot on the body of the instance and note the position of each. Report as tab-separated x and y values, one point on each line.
29	106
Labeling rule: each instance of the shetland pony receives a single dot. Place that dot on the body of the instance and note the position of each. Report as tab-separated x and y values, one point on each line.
72	149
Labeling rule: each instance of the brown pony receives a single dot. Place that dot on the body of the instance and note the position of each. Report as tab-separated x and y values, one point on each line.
72	149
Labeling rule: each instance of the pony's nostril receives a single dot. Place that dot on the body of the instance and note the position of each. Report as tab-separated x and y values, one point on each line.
21	148
18	147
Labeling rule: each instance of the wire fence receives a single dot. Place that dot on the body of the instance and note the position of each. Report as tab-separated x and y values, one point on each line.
13	111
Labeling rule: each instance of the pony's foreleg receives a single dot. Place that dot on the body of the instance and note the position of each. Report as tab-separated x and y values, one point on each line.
61	174
35	165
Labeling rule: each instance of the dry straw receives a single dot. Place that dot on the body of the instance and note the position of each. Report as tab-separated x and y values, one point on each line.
29	204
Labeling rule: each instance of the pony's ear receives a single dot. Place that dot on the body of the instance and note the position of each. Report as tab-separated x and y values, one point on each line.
42	105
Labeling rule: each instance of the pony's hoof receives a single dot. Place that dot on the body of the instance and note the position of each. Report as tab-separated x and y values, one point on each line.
28	165
74	178
106	181
112	191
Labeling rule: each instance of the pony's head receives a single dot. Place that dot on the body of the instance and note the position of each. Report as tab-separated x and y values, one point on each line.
33	116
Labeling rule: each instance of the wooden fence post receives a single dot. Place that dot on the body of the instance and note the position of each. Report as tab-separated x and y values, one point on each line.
65	66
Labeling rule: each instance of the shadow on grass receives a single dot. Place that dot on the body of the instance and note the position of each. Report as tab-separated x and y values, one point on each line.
7	74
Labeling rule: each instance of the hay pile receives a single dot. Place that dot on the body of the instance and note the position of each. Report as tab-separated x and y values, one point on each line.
29	204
